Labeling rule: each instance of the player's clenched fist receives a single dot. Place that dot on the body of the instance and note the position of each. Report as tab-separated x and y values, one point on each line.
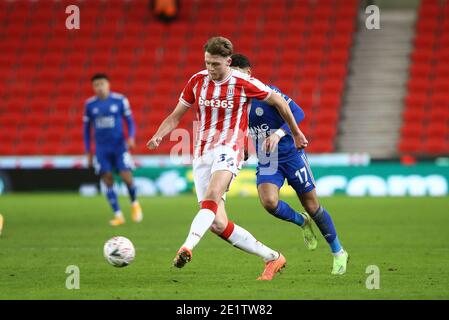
300	140
154	143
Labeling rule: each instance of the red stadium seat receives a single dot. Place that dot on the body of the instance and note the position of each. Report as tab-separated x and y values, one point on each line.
48	69
426	104
413	115
437	146
438	130
410	146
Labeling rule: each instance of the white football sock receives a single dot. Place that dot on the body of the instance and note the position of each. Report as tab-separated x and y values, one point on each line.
245	241
200	224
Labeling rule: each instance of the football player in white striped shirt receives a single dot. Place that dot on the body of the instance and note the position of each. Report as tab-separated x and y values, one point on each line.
221	96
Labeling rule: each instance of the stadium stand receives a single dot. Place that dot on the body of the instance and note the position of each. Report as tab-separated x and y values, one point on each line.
45	69
425	128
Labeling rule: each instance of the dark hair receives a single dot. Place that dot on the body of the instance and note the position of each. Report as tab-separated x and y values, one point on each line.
98	76
240	61
219	46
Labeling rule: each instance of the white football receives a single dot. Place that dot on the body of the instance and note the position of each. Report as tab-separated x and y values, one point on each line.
119	251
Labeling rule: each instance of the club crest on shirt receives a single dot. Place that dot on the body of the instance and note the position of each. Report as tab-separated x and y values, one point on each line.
259	111
95	110
113	108
230	91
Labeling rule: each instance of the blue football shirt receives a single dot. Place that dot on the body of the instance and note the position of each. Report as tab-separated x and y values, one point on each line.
264	120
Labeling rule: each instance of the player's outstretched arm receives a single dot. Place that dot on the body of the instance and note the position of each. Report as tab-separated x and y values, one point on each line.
170	123
283	108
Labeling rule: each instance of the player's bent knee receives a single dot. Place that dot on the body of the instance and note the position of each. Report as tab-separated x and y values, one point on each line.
270	203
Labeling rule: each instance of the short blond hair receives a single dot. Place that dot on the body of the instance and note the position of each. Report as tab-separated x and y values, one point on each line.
219	46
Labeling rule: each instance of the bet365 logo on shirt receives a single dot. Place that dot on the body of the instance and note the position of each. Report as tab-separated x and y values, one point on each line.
216	103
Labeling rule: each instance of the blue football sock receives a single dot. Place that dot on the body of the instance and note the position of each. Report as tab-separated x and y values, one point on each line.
132	192
285	212
324	222
335	245
112	199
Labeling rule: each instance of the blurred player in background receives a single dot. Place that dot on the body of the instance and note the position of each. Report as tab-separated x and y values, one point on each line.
269	131
105	112
220	96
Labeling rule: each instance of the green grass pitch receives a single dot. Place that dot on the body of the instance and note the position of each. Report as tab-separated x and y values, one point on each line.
407	238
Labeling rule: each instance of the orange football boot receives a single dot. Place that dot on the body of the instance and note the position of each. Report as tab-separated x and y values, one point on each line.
183	256
272	267
136	214
117	221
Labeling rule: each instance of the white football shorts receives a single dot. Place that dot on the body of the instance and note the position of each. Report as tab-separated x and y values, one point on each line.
219	158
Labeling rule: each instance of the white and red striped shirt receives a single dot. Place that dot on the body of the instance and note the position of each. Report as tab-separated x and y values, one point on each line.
222	108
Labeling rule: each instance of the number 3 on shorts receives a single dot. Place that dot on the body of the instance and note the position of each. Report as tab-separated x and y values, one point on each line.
298	174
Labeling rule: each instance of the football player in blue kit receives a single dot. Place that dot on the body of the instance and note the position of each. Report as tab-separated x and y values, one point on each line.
105	113
280	160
